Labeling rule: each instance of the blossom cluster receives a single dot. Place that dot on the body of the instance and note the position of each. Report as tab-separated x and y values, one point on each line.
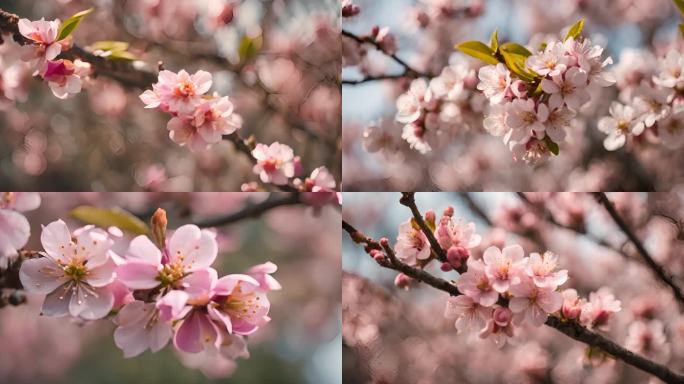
503	288
432	112
14	228
64	77
532	112
651	106
156	290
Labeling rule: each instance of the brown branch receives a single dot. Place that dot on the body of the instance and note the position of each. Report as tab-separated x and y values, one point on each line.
571	329
408	199
252	210
656	268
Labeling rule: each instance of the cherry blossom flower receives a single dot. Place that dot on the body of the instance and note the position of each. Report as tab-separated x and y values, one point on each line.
450	234
570	88
184	133
262	274
495	120
188	250
74	273
44	34
214	118
532	302
671	129
409	104
559	119
494	82
499	326
321	185
588	57
598	310
177	92
412	244
385	39
140	328
542	270
551	62
14	228
275	163
572	304
525	119
648	339
62	78
651	104
503	266
416	137
468	313
671	71
475	284
621	122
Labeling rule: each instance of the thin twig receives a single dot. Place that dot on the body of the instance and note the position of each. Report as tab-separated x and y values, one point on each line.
571	329
656	268
252	210
408	199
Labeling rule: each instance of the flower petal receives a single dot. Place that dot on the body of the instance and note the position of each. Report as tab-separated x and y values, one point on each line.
143	249
41	275
137	275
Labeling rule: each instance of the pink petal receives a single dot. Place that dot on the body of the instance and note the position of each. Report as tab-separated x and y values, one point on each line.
200	283
197	248
188	335
95	243
132	340
226	284
173	305
26	201
202	80
137	275
518	304
41	275
14	230
159	336
56	240
132	313
57	302
143	249
221	317
101	275
91	303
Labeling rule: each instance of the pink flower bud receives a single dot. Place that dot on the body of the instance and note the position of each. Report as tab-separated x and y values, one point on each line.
519	89
384	242
445	267
350	10
457	256
502	316
430	216
448	211
402	281
298	167
423	19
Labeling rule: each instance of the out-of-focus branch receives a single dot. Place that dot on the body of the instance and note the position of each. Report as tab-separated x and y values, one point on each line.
573	330
408	199
409	71
252	210
656	268
475	208
371	78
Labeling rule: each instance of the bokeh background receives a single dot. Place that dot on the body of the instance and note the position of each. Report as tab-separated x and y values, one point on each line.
285	87
302	343
376	158
401	336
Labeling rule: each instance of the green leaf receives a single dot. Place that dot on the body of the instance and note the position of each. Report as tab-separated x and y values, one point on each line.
121	55
113	46
515	56
552	146
478	50
105	218
680	5
575	30
250	47
494	41
70	24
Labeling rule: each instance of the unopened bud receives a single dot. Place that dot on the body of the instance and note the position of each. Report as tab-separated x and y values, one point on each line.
430	217
350	10
449	211
384	242
446	267
159	224
402	281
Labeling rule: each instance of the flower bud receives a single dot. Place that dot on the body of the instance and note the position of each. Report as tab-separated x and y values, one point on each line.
448	211
445	267
384	242
402	281
457	255
430	217
502	316
159	223
350	10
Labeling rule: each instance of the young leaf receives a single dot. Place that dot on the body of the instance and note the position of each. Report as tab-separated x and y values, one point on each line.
106	218
552	146
121	55
479	51
70	24
249	47
515	56
494	41
575	30
680	5
113	46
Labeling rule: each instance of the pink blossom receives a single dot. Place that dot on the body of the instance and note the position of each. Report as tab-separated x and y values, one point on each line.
189	249
648	339
551	62
262	274
409	104
44	34
503	266
62	78
275	163
499	326
184	133
74	272
534	303
525	119
542	270
671	128
468	313
177	92
559	119
671	71
385	39
622	122
456	234
572	304
412	244
602	304
588	57
494	82
14	228
214	118
570	88
475	284
140	328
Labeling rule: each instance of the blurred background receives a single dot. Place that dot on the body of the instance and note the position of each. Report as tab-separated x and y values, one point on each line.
392	335
376	158
277	60
301	344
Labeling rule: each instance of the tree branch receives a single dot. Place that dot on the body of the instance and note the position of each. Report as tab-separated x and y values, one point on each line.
409	71
408	199
252	210
656	268
573	330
